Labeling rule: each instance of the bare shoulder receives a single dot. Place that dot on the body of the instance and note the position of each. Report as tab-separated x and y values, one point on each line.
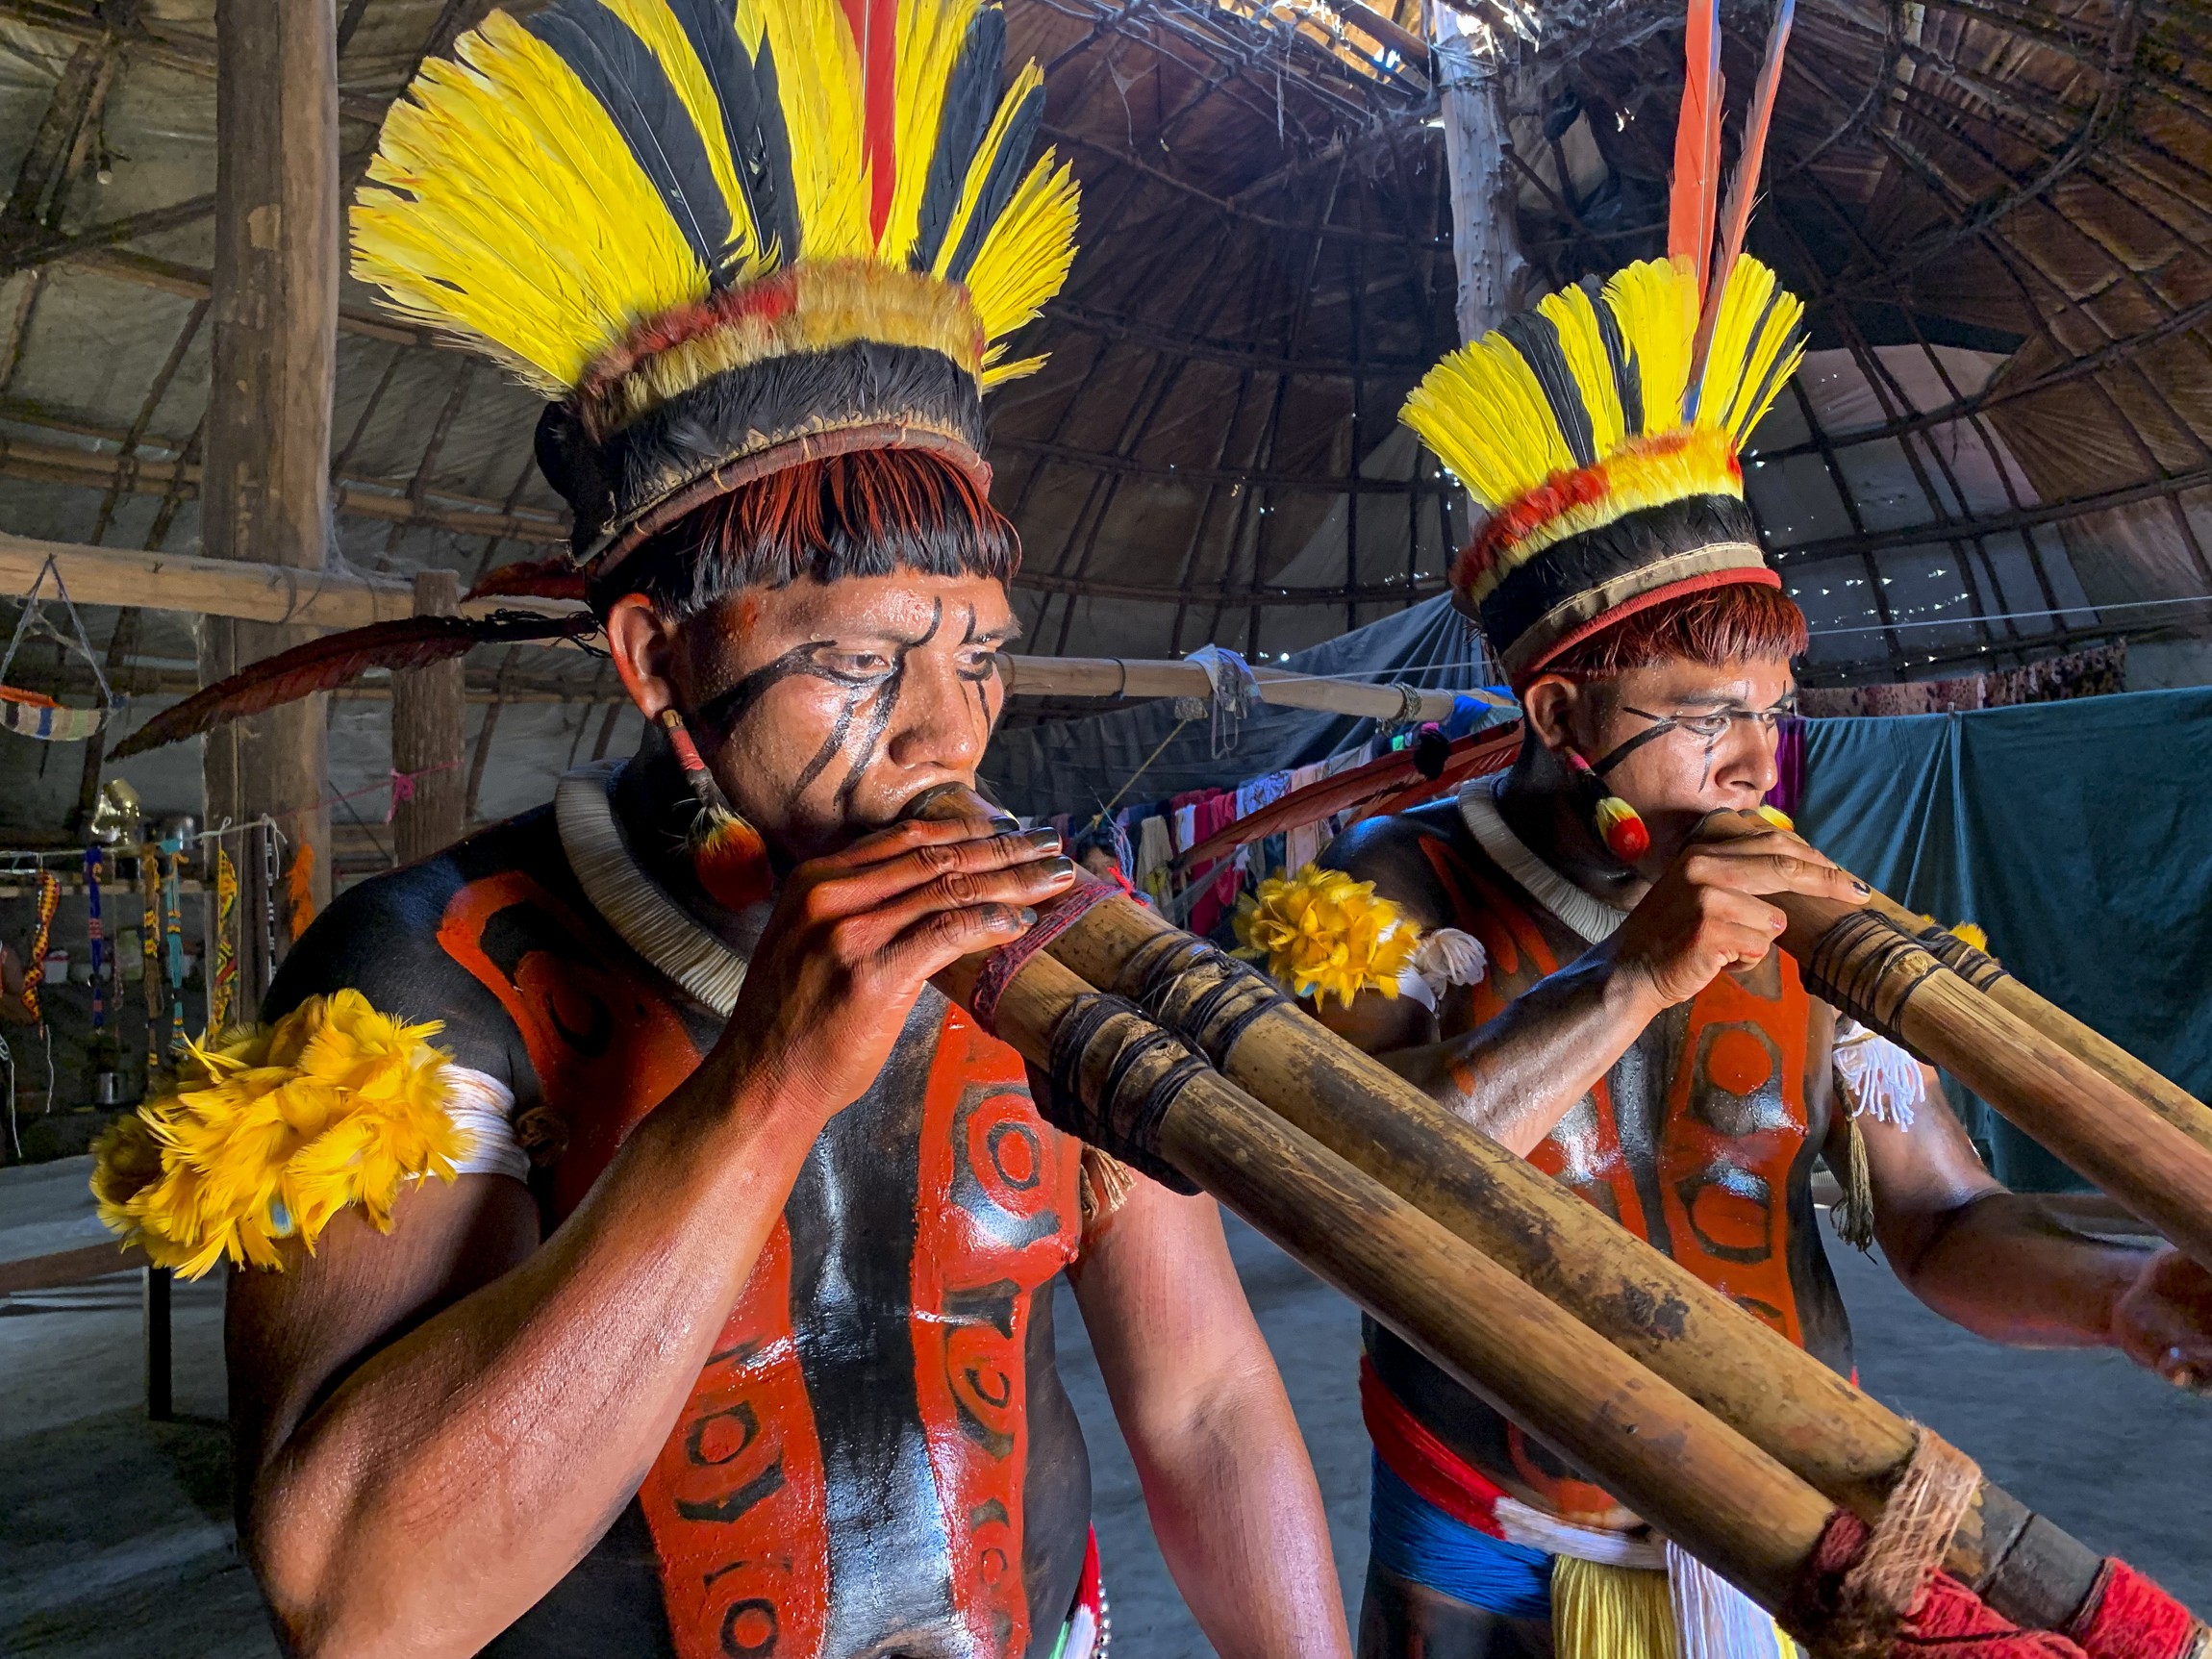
292	1336
401	939
1399	854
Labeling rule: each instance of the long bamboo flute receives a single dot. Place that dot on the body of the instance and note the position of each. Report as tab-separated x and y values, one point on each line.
1842	1441
2161	1094
1865	967
1696	1479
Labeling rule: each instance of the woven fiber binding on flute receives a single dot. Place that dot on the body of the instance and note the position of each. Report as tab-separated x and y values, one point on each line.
1146	1072
1978	968
1867	970
1201	992
1880	1592
1008	960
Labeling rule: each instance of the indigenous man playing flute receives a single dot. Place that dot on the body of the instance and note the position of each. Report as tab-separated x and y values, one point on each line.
1627	1024
728	1328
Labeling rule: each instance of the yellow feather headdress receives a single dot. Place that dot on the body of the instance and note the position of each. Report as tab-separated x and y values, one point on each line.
1602	429
723	234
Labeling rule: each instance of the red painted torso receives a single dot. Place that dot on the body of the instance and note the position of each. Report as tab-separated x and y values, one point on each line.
1698	1140
854	1471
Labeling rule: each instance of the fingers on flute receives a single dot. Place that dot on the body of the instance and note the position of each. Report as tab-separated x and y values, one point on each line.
943	937
961	864
1753	867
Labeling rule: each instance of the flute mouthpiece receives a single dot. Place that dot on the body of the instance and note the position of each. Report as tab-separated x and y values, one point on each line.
959	801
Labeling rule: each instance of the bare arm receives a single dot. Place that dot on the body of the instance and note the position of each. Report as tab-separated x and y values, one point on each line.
2001	1265
1516	1077
1227	1481
446	1483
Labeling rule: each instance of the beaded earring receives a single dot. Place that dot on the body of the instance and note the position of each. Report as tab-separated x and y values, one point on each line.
728	855
1619	825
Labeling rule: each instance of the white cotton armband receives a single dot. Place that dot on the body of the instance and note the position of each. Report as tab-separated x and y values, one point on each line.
479	1104
1880	1080
1446	957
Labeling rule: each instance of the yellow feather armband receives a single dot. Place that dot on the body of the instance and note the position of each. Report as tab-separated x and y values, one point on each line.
1320	932
273	1131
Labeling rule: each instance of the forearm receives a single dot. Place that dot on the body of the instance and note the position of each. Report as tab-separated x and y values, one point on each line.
1232	1498
453	1478
1515	1077
2002	1267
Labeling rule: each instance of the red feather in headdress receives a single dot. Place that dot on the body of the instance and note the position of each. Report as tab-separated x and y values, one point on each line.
319	665
533	579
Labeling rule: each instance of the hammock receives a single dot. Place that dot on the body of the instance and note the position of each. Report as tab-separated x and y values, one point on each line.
32	714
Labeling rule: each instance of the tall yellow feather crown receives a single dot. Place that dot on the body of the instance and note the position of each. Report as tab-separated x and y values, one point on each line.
1602	429
724	236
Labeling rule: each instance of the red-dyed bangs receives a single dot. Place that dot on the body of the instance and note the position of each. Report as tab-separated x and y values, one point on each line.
1735	623
871	512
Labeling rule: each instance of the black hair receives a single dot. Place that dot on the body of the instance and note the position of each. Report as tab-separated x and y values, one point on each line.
870	513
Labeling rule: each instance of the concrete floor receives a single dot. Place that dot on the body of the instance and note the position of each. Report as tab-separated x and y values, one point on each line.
116	1542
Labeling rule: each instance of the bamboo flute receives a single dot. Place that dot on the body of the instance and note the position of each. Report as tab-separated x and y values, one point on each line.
1842	1441
1858	961
1693	1476
2161	1094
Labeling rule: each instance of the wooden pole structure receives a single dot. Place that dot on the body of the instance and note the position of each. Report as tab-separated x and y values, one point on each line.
1694	1478
265	493
1471	78
427	706
1121	677
1843	1442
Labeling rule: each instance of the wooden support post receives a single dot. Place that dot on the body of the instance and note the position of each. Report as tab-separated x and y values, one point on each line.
426	711
264	494
1472	75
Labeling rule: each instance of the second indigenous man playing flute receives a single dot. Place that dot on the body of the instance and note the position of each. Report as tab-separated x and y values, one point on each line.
1628	1023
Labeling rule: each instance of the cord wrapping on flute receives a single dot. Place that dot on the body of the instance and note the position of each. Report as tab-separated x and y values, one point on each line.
1200	993
1881	1593
1978	968
1907	1545
1869	970
1146	1070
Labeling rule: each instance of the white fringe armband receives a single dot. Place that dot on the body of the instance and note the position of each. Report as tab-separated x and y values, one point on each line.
1880	1080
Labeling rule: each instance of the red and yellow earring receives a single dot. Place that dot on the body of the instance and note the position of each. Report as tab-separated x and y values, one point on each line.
1619	825
728	855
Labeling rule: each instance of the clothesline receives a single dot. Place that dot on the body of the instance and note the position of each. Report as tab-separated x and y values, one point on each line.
13	860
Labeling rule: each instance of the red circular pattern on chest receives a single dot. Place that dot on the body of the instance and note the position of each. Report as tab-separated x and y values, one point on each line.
1738	1063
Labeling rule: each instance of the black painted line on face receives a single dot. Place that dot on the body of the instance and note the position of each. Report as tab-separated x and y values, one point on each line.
975	678
722	710
886	702
832	744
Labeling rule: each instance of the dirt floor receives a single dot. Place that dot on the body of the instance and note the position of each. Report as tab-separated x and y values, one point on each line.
115	1541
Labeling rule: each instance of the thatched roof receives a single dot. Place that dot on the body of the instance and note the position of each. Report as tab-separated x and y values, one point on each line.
1998	212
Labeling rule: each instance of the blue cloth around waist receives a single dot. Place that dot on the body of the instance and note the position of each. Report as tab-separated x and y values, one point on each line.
1413	1540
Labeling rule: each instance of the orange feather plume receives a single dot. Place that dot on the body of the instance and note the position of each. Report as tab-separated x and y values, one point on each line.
1695	190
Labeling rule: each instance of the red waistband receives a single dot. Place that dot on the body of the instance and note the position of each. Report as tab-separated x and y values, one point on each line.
1410	1450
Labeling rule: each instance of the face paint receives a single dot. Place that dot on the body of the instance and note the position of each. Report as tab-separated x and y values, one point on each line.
848	698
